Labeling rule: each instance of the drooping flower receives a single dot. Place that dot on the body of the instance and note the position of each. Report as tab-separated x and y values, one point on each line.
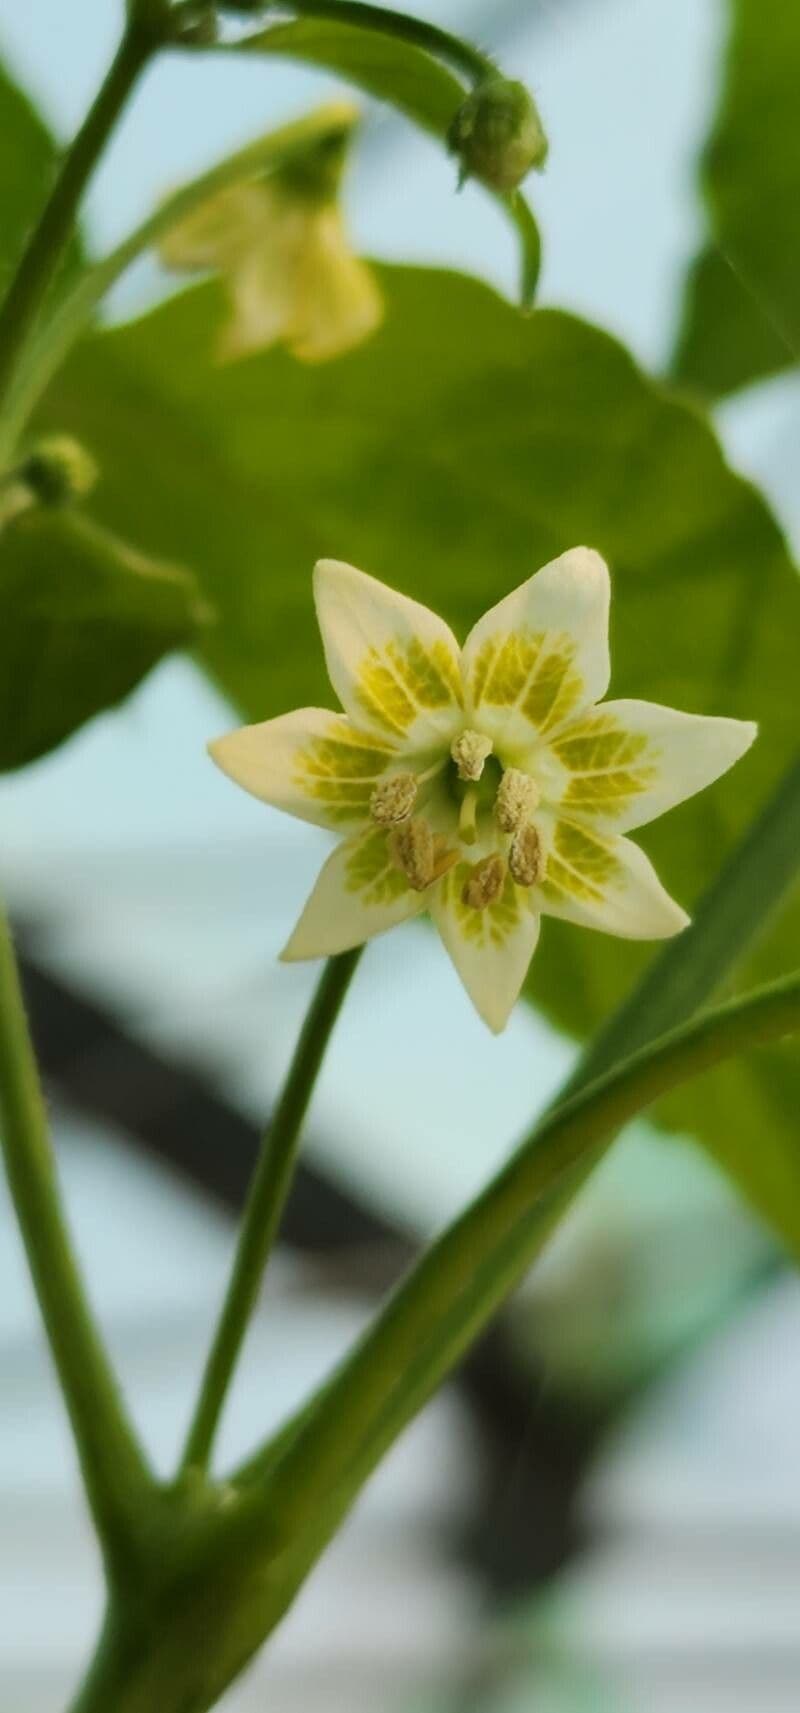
280	245
489	784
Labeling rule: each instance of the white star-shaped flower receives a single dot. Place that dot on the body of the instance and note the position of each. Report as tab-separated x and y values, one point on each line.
489	784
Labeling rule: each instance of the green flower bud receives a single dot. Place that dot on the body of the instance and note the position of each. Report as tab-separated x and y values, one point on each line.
58	469
497	134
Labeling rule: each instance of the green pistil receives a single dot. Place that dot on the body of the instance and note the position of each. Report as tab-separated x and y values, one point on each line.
468	816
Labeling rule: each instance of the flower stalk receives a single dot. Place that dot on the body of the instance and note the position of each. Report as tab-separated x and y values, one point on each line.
265	1204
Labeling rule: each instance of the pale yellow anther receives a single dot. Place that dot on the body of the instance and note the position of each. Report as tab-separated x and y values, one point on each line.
517	797
413	850
484	883
469	751
525	856
393	799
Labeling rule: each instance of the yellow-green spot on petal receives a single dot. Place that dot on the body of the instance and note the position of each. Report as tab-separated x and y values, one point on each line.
530	670
341	772
372	873
609	765
400	681
579	864
491	925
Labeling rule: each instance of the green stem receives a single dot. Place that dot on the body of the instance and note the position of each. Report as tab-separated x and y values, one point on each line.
265	1204
49	237
467	60
732	914
113	1466
50	346
460	1281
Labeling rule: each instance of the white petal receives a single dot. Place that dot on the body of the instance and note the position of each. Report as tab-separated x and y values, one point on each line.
217	233
541	655
311	763
626	762
261	297
491	949
359	893
337	303
602	881
393	663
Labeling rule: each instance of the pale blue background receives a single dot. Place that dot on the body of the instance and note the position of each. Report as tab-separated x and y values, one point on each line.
164	893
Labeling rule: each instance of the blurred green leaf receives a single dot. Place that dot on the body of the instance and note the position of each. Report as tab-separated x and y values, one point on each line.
28	158
82	619
392	70
451	456
741	317
383	66
725	341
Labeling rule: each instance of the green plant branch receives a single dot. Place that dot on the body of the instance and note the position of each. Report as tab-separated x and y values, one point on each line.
460	1281
265	1204
40	260
465	59
113	1467
732	914
51	345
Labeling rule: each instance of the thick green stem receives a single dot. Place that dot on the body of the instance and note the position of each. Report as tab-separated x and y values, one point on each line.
468	1272
49	237
462	56
736	909
265	1204
113	1467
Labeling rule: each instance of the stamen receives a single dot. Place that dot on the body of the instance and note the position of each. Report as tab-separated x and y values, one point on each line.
467	817
485	882
469	751
517	797
443	856
413	850
525	856
393	799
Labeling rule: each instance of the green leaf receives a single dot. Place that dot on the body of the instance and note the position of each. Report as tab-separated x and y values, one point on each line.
392	70
741	318
28	158
454	453
84	617
383	66
725	340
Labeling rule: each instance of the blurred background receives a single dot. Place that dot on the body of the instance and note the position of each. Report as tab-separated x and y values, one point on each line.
603	1510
